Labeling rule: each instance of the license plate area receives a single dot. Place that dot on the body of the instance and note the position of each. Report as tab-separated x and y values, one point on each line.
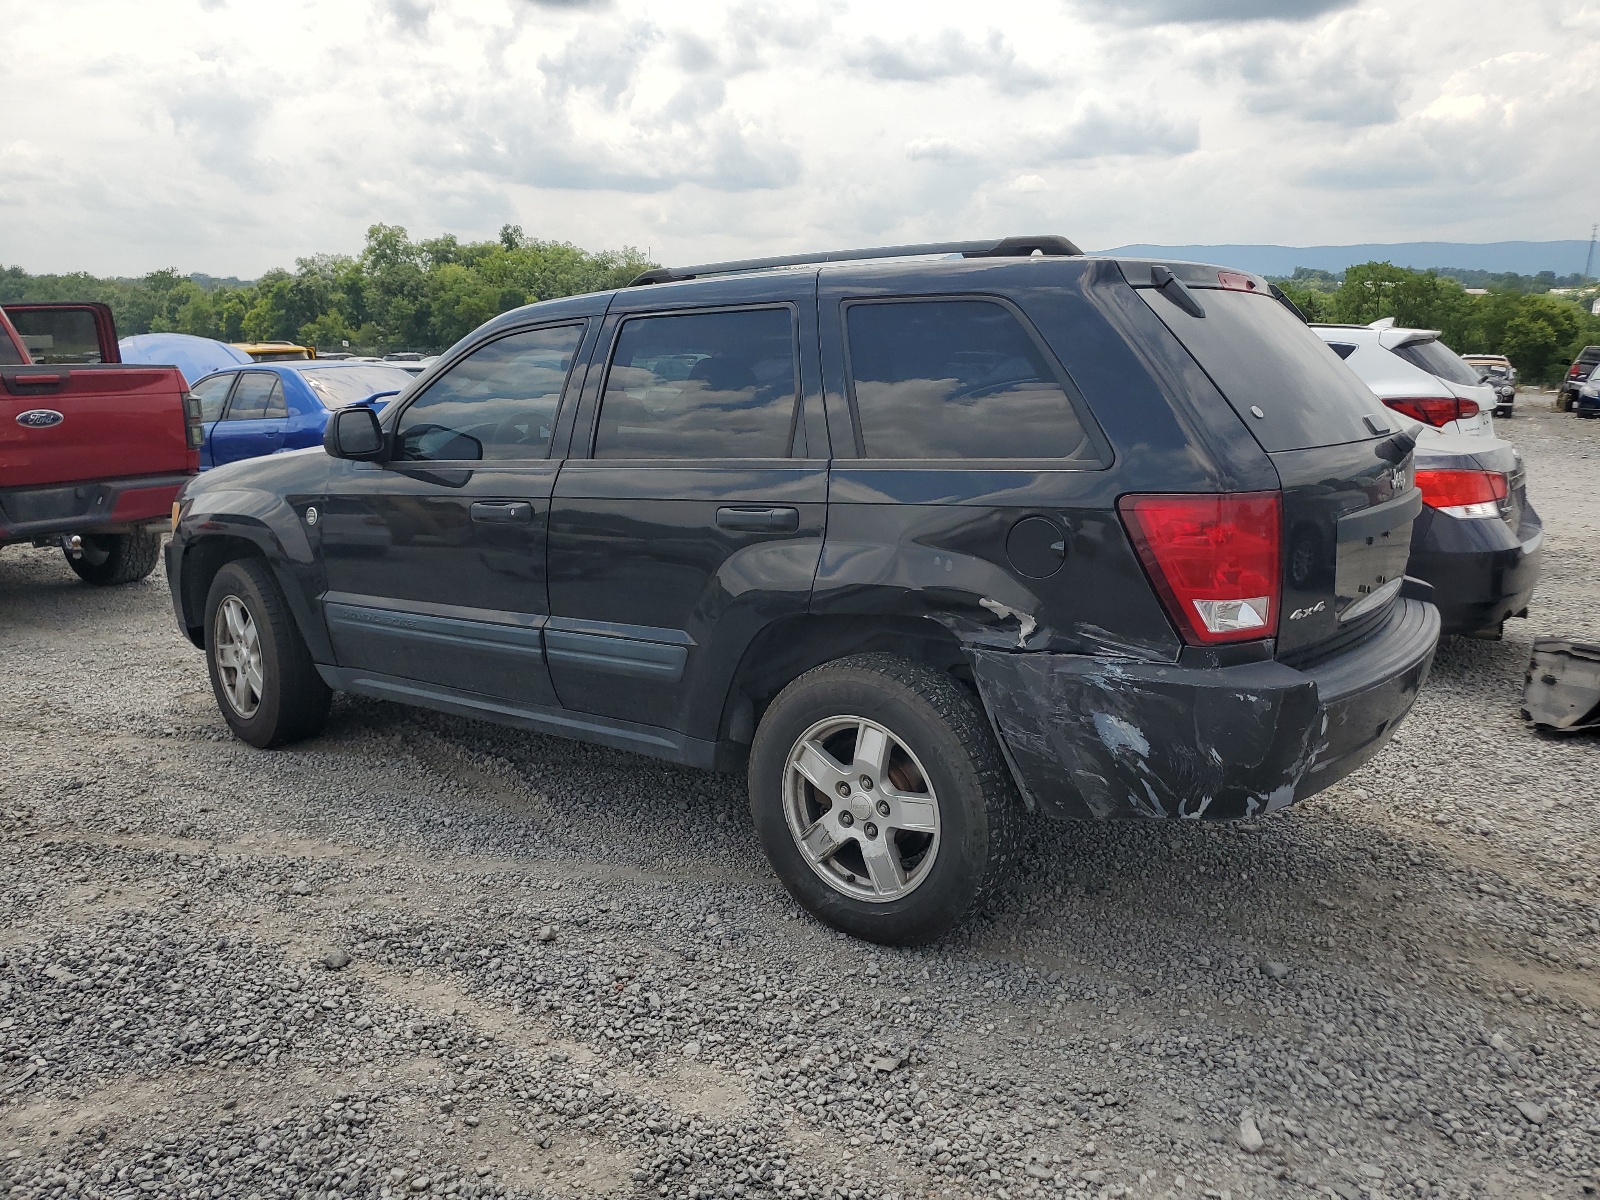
1373	549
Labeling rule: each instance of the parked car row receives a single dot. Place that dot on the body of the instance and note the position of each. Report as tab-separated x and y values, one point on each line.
920	539
1578	374
1479	540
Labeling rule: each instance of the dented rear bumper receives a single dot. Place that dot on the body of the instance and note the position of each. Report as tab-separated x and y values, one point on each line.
1106	738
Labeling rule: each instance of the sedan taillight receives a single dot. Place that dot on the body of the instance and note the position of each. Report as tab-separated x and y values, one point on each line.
1437	411
1463	493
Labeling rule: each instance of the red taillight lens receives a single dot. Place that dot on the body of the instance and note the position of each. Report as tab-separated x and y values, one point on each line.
1214	560
1433	410
1463	493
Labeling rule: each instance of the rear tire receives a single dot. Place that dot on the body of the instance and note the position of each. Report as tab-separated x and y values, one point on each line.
266	685
929	827
108	559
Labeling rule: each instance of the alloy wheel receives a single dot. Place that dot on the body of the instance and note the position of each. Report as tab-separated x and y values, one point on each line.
861	809
237	647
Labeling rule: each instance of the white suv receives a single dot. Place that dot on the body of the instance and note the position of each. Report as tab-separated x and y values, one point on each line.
1417	375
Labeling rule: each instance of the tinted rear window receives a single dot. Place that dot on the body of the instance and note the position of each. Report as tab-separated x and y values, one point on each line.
1260	356
1434	357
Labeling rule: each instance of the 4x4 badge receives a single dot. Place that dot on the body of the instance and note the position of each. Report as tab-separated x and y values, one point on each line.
1306	612
39	418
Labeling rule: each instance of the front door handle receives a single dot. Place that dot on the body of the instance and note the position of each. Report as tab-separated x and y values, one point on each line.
518	512
759	520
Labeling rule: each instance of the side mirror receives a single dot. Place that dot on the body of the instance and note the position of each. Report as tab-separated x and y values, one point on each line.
353	433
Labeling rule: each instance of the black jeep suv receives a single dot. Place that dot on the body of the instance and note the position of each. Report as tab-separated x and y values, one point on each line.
925	539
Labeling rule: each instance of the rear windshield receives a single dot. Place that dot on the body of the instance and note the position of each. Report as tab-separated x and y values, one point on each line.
1434	357
1261	357
338	387
59	335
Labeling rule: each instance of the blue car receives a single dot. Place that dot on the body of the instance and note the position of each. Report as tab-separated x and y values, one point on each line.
250	411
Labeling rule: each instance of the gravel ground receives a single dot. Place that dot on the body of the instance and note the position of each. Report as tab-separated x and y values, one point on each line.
426	956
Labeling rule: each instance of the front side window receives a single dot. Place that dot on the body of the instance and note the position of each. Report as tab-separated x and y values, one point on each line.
701	385
213	393
258	397
956	379
498	403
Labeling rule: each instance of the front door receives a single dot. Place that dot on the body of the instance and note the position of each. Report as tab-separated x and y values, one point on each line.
435	559
690	513
254	421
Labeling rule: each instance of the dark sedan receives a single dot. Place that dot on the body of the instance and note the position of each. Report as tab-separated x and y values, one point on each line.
1478	540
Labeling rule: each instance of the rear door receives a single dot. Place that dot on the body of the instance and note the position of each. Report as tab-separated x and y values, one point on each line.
690	513
66	424
1344	465
254	422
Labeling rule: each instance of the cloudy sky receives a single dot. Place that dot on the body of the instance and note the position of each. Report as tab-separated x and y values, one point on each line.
229	136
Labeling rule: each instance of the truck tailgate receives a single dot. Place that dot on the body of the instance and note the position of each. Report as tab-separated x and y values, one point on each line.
61	424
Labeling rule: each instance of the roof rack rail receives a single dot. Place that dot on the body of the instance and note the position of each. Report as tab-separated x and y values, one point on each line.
1011	247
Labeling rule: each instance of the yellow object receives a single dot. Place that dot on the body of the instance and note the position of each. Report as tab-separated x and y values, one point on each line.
275	351
175	507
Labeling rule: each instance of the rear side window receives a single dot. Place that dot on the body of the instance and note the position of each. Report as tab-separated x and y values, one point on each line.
63	335
701	385
951	379
497	403
259	397
1434	357
213	395
1261	357
1342	349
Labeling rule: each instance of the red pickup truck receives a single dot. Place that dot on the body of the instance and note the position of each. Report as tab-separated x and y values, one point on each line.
92	452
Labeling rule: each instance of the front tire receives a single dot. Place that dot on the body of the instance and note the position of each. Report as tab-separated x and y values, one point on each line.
881	798
108	559
266	685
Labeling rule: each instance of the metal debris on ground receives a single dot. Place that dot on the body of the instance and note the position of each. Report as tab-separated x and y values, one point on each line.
1562	691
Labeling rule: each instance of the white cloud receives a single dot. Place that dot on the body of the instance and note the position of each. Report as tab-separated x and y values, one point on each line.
192	133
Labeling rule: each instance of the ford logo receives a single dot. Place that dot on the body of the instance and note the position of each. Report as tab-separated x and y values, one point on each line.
39	418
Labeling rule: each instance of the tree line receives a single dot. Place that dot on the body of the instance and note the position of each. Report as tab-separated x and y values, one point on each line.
396	294
1540	333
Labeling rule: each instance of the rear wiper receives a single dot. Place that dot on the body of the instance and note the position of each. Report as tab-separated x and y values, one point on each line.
1170	286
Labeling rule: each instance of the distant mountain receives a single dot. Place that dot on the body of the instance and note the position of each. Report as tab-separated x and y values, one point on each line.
1524	258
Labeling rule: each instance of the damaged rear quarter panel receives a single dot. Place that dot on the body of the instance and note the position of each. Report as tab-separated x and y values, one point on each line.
1097	737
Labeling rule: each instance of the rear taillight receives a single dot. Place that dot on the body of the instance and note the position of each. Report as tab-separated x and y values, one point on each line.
1214	559
1463	493
1434	410
194	421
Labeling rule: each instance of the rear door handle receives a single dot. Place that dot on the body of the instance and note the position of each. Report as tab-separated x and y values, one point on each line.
759	520
518	512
